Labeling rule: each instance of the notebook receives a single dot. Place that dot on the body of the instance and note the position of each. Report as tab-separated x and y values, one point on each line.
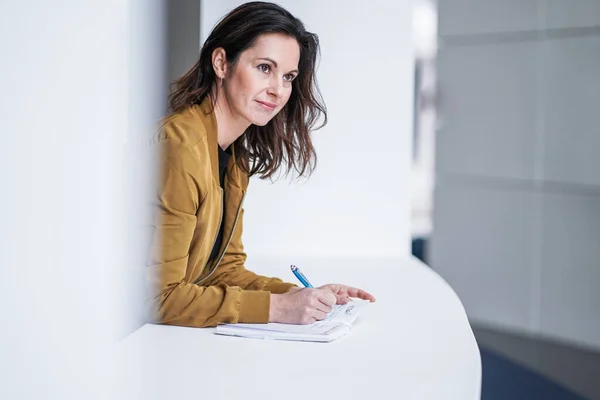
338	323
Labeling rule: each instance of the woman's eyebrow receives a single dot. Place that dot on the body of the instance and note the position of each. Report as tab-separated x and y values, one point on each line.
275	63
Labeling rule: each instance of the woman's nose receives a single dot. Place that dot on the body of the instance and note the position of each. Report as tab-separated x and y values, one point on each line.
275	87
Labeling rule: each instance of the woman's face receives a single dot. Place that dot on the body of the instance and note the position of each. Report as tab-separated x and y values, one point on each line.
260	83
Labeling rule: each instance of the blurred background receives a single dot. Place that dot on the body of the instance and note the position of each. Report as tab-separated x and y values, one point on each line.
472	124
506	204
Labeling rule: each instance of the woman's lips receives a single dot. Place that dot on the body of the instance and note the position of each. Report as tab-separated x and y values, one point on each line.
267	105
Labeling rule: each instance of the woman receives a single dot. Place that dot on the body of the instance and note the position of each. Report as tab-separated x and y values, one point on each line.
246	108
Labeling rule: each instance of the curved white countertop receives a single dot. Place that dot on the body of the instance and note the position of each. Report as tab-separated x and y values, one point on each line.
415	342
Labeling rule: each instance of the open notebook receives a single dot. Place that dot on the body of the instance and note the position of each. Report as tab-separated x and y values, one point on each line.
337	324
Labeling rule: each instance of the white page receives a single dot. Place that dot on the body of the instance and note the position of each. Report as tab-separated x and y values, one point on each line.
346	313
342	314
324	333
318	327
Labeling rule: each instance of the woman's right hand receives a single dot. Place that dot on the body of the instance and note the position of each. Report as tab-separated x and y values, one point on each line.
301	306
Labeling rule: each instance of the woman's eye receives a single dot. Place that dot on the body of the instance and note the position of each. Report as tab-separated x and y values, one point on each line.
289	77
264	68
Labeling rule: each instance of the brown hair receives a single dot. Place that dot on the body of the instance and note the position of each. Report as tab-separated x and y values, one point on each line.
286	138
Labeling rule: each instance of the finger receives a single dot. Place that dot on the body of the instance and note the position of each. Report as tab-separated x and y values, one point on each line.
323	307
341	298
327	297
333	288
361	294
340	292
319	315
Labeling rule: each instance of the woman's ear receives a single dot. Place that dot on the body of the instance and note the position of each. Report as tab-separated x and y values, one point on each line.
219	62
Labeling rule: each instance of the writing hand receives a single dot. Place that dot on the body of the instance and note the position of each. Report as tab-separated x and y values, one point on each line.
301	306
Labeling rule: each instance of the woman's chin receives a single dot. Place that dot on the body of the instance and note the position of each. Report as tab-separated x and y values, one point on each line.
260	122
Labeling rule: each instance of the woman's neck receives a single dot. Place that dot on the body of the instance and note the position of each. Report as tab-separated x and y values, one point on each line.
230	126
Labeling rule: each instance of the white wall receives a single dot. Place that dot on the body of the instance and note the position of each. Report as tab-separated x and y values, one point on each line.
74	93
147	39
517	202
356	204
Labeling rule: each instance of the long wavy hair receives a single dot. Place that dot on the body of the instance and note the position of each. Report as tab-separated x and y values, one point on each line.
286	139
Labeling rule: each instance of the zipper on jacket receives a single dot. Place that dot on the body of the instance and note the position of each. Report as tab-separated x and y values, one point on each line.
237	216
220	222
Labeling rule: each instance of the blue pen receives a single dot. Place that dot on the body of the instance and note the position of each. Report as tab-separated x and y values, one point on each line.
300	276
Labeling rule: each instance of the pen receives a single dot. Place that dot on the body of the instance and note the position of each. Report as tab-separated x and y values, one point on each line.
300	276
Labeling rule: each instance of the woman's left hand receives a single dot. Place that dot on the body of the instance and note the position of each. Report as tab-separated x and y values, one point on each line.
343	293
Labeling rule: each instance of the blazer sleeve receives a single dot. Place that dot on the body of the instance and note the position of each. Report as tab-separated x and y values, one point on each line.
172	299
